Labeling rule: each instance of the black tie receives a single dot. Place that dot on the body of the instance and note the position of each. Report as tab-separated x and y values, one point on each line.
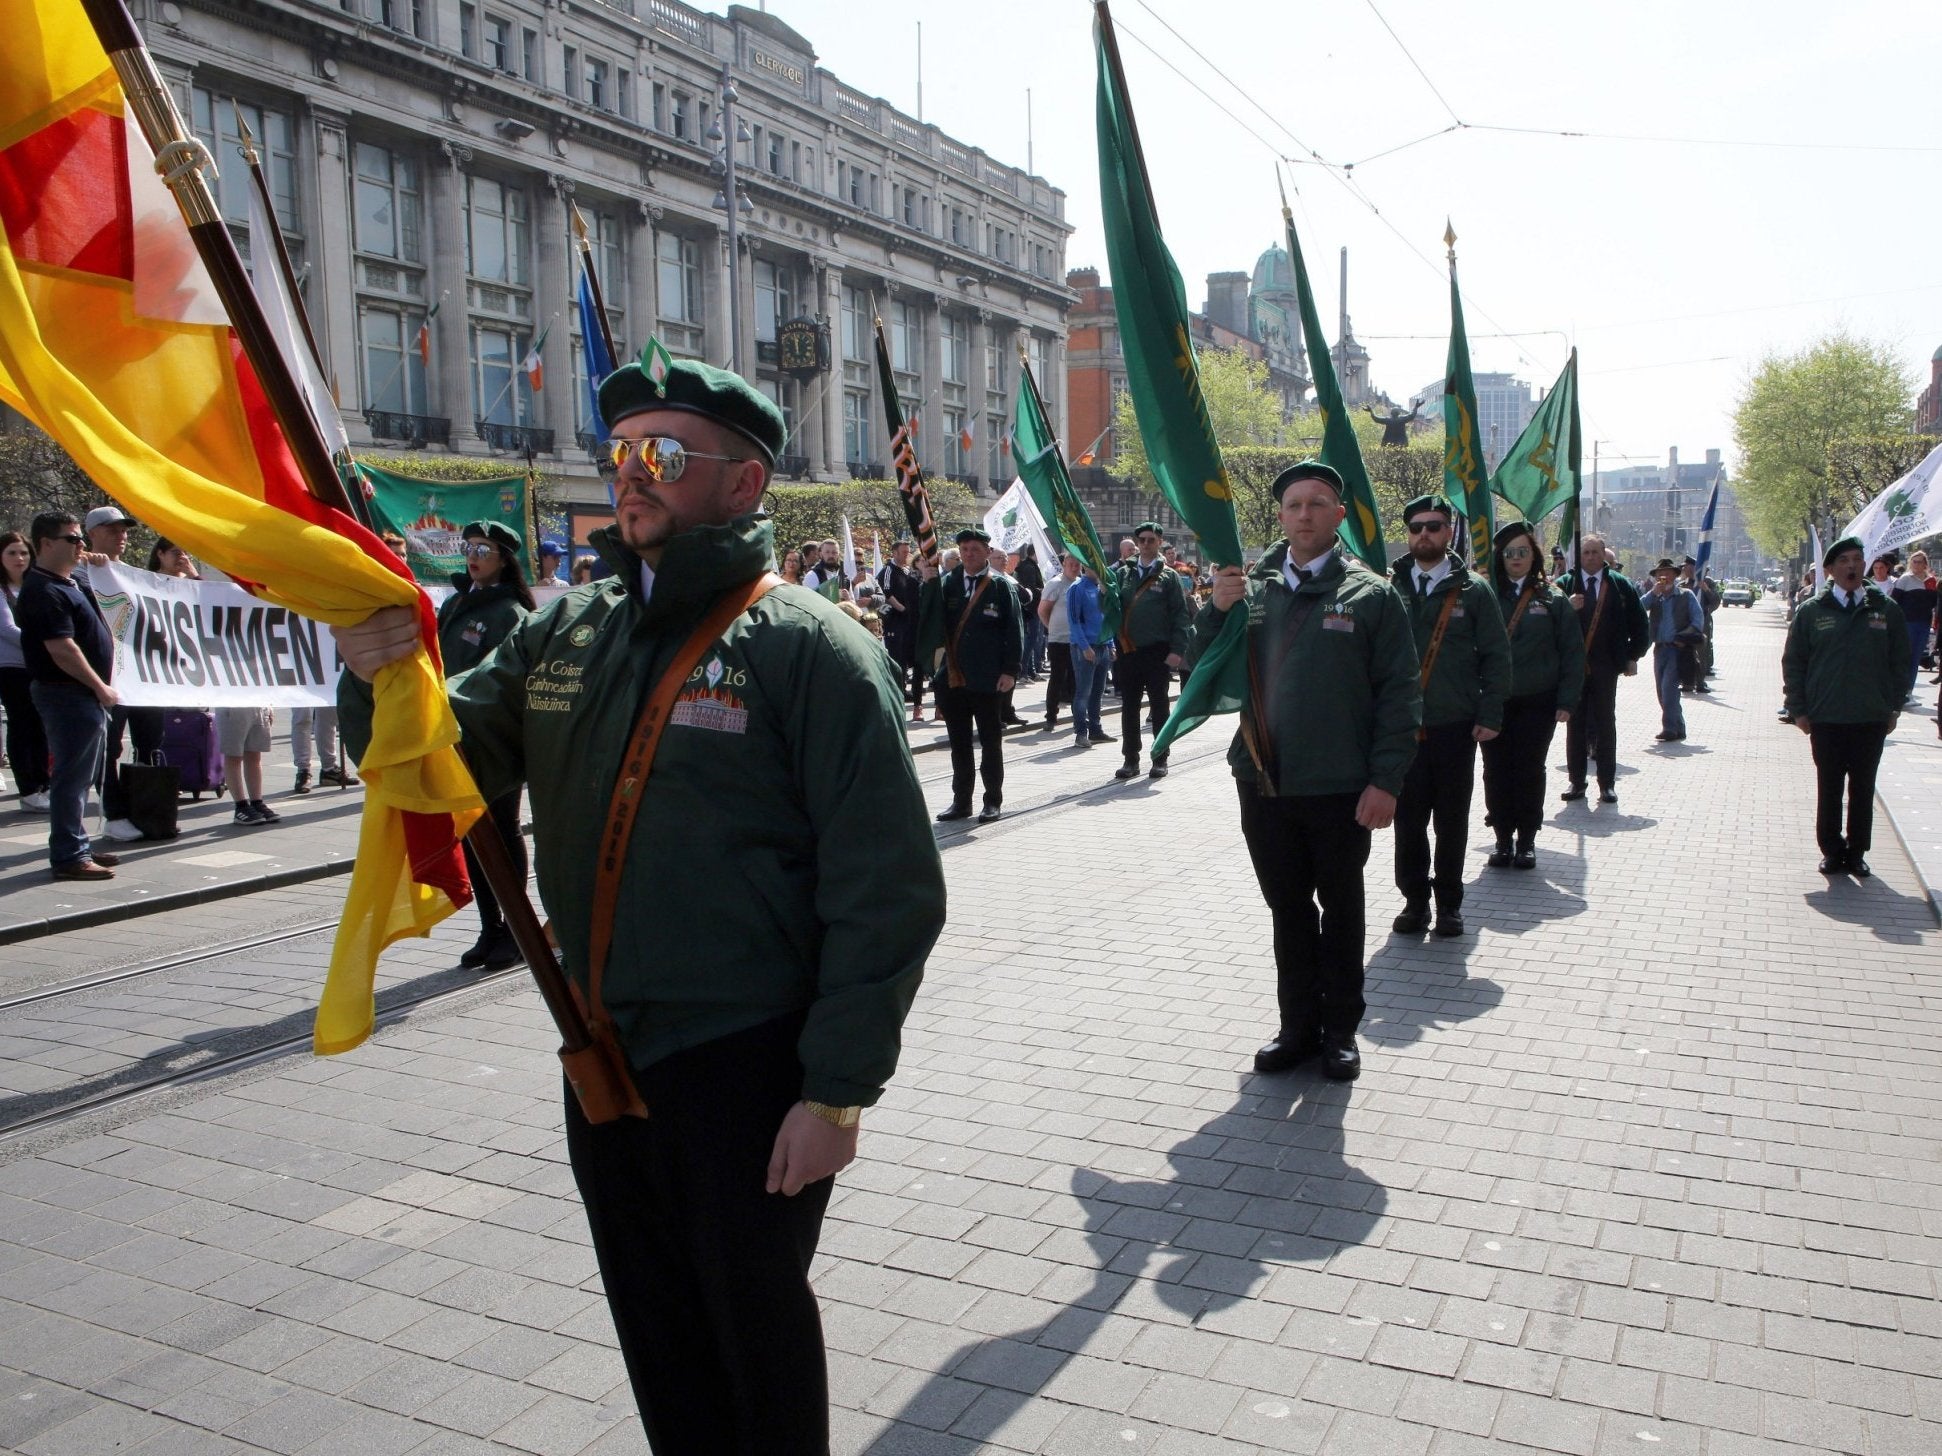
1422	585
1591	591
1302	578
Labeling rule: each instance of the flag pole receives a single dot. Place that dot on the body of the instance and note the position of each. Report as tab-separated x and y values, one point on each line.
262	186
180	158
585	242
910	475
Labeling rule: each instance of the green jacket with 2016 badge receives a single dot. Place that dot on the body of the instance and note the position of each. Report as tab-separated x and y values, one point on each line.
1547	652
1343	703
1846	664
1471	678
754	885
1164	611
993	642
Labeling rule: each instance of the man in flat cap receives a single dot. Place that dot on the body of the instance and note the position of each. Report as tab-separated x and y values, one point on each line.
759	963
1676	624
1325	740
984	643
1155	619
1465	674
1844	671
1616	635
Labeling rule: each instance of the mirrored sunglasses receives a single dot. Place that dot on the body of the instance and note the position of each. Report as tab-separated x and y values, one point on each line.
663	457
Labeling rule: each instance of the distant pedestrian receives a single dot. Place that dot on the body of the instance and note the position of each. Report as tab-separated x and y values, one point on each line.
1090	650
1914	591
26	742
1677	623
70	659
107	529
1844	669
1026	571
551	553
1616	635
1058	644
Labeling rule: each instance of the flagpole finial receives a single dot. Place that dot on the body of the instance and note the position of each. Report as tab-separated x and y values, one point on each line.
1449	238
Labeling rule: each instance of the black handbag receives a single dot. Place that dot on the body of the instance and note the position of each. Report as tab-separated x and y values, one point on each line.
150	790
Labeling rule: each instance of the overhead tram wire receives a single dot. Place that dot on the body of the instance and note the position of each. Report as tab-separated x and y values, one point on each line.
1414	62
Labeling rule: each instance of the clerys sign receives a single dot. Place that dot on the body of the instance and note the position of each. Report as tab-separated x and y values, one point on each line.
210	644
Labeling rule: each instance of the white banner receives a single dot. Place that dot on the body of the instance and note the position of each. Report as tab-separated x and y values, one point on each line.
1013	523
209	644
1907	511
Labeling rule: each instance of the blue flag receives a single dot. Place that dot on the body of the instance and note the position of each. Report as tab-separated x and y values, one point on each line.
593	348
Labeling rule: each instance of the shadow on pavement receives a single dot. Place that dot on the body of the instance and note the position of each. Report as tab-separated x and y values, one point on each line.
1276	1156
1406	1002
1892	916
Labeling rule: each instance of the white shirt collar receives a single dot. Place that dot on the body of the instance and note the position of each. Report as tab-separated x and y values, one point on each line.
1435	574
1517	587
1289	567
647	582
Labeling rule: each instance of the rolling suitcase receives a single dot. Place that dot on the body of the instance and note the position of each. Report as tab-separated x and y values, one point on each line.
189	746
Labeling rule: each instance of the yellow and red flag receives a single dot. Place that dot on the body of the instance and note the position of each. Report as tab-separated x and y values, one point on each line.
114	341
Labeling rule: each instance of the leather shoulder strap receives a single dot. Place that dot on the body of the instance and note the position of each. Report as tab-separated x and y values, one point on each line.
636	764
1436	636
1530	591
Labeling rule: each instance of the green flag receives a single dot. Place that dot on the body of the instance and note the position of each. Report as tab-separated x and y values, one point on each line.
1035	453
1361	528
1163	377
430	514
1541	471
1464	479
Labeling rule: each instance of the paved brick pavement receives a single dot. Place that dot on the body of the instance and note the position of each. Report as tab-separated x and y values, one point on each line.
1646	1163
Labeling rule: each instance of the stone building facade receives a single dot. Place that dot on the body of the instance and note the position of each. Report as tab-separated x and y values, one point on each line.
425	157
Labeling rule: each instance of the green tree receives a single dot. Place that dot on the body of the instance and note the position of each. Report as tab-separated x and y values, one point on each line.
814	512
1797	415
1243	409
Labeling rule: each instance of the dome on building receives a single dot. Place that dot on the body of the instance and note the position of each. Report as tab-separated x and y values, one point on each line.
1936	357
1273	272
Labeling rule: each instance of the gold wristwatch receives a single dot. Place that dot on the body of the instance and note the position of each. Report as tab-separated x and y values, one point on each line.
834	1116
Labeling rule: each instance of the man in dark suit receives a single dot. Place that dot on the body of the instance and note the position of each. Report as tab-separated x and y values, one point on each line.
984	642
899	616
1616	636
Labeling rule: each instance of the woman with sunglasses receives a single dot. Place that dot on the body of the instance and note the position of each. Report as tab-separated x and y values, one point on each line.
1547	653
26	742
489	599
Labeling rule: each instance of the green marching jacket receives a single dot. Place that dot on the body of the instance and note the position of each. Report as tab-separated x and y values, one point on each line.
1547	651
1846	664
756	882
471	622
1163	613
1471	678
993	641
1342	700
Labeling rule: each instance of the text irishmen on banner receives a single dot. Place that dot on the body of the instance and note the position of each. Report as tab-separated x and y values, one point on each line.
182	643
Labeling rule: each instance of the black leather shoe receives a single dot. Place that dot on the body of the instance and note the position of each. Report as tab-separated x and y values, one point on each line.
1414	920
1501	856
1573	794
1288	1050
1857	866
502	954
1834	864
989	814
1525	859
1449	923
1158	771
1341	1062
1129	770
476	956
1608	796
956	811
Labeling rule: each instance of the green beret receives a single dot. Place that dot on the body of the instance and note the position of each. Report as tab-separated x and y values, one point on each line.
1153	526
1511	530
1846	543
698	388
973	533
497	533
1428	503
1328	475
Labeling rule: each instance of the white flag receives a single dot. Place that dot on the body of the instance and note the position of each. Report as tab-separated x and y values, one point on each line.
1907	511
1814	546
283	314
849	557
1013	523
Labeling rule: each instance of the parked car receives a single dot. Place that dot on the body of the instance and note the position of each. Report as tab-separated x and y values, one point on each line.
1738	594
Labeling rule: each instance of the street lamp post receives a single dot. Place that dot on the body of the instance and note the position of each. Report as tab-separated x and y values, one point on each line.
728	129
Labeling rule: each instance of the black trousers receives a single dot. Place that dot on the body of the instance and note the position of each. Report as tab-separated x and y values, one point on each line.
707	1275
965	712
1059	688
1593	730
26	742
1441	779
505	813
1308	856
144	727
1513	766
1846	756
1143	670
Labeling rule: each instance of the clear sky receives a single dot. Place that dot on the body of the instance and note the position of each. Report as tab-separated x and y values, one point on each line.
1673	265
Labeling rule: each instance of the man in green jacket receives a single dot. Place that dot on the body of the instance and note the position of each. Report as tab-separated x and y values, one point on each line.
761	963
1325	740
1154	622
984	643
1465	675
1845	669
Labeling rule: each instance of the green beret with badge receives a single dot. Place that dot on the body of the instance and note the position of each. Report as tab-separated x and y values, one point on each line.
973	533
1423	503
1846	543
1327	474
657	381
498	533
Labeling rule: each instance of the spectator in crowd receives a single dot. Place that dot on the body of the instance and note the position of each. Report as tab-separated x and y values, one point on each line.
1914	591
550	555
107	530
583	571
1090	652
792	567
1007	562
1025	570
1881	571
1128	549
70	660
245	737
1676	622
827	568
313	736
165	558
489	600
1052	614
26	743
898	608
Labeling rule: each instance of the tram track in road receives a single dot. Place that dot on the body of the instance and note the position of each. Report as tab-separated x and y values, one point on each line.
44	1113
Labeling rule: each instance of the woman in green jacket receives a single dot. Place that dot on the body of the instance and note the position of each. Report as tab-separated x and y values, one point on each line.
489	600
1547	675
